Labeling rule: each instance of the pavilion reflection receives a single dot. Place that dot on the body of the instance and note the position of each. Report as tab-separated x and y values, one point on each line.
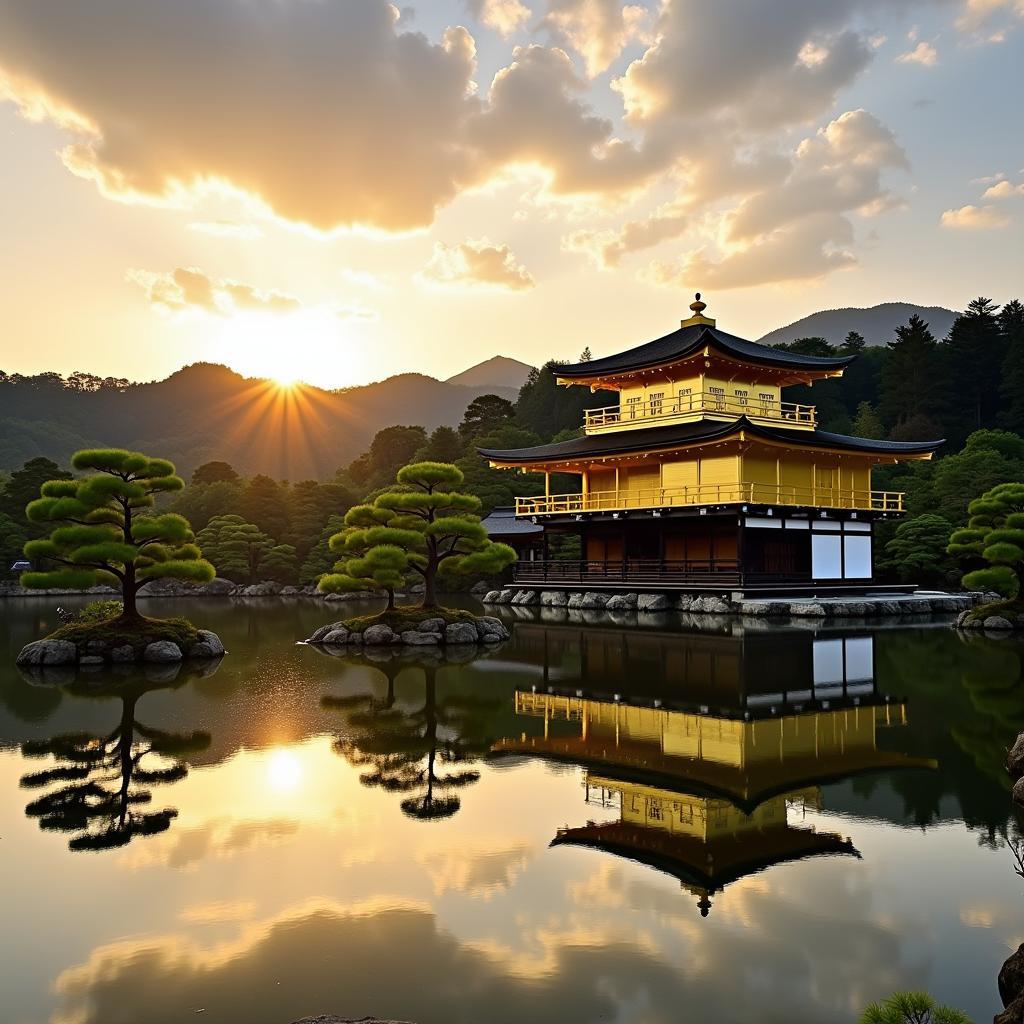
712	763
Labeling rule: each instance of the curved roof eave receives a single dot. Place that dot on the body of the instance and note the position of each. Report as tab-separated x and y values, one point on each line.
685	342
654	439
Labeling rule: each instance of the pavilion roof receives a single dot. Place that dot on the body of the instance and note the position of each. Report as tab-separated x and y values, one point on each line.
666	438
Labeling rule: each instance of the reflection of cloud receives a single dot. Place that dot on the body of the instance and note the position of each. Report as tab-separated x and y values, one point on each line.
395	961
480	869
189	846
218	912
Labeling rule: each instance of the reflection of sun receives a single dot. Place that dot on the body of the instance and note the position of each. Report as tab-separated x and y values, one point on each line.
284	771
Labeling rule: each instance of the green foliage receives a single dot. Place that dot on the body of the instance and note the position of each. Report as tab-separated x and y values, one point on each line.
484	414
445	445
428	523
994	538
390	449
867	423
321	559
265	503
242	552
215	473
974	355
104	528
545	408
917	552
100	611
912	378
912	1008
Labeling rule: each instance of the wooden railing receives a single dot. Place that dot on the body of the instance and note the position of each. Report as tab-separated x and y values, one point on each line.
660	409
711	494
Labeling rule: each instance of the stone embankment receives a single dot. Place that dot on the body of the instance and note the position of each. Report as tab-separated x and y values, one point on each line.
431	632
823	607
1011	976
94	653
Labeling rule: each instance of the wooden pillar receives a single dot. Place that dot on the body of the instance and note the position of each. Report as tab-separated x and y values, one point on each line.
547	483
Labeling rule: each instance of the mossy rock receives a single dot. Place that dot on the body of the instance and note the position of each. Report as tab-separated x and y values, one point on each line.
135	633
403	618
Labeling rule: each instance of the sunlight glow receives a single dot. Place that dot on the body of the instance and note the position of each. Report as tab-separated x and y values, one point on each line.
284	771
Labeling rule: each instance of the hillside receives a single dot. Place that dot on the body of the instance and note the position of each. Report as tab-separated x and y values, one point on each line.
875	323
207	411
496	372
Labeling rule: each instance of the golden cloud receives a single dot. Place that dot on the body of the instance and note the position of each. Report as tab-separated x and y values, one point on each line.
475	264
190	288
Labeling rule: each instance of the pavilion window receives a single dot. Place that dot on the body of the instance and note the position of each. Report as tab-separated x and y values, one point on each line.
767	400
656	401
741	397
685	399
632	404
718	398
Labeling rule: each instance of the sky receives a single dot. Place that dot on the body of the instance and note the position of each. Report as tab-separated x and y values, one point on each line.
340	190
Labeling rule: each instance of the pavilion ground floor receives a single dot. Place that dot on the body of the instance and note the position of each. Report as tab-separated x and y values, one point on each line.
738	549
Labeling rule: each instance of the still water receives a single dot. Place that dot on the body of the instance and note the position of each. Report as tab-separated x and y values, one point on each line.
591	823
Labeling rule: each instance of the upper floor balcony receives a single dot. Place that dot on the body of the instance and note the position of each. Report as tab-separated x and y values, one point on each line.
684	407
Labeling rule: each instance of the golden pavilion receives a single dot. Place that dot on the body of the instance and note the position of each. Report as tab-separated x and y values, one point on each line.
712	793
703	477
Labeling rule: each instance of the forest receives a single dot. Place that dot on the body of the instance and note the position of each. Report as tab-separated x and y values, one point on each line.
967	387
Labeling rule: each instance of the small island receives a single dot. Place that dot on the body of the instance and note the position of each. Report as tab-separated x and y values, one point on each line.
422	527
107	532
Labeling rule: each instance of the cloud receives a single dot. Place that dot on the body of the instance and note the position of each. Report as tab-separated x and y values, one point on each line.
974	218
505	16
217	912
924	54
1003	190
800	228
476	264
598	30
978	16
190	288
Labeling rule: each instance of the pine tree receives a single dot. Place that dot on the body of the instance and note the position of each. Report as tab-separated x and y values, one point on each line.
242	552
109	533
867	424
911	377
1011	392
974	351
853	344
265	503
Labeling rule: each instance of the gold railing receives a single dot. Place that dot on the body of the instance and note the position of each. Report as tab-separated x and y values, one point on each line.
682	406
712	494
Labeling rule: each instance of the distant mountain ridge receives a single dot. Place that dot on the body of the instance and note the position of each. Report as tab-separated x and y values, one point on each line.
877	324
496	372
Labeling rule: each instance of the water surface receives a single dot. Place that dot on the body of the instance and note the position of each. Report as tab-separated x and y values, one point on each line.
592	823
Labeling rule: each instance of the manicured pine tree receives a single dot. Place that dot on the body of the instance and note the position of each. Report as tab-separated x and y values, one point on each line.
108	531
428	520
994	535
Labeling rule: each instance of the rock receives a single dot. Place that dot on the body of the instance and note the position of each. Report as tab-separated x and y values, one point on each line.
88	660
710	605
1011	979
355	638
809	609
218	587
123	653
684	602
592	599
162	651
946	604
575	601
335	636
621	602
378	635
415	638
320	632
288	591
491	597
961	619
330	1019
435	625
552	598
525	597
478	588
505	596
488	626
48	652
201	650
1013	1014
651	602
996	622
207	636
1015	759
460	633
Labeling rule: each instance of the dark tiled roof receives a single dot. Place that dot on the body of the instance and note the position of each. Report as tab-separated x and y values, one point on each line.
687	340
652	439
502	522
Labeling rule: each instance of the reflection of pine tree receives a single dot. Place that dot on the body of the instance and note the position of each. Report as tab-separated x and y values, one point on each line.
424	752
104	800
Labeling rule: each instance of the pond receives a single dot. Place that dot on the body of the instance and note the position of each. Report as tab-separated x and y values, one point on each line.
594	822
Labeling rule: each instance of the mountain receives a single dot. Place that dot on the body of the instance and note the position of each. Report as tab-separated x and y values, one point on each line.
206	411
494	373
876	324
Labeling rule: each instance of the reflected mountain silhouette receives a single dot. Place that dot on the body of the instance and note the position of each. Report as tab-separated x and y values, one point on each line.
102	782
